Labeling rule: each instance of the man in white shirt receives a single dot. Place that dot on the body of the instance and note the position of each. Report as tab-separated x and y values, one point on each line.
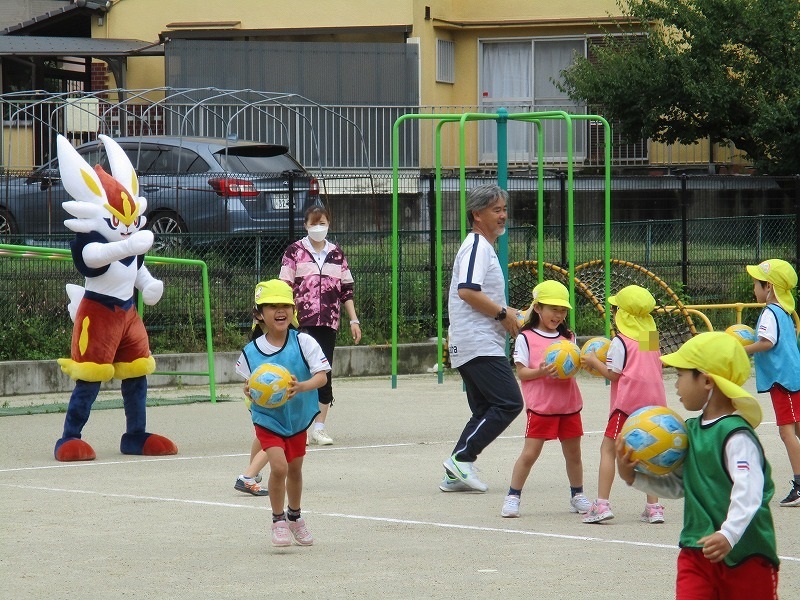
479	321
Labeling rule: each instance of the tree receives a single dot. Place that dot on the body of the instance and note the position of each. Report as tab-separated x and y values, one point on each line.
728	70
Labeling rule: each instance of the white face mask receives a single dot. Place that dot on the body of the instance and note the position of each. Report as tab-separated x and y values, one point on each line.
318	233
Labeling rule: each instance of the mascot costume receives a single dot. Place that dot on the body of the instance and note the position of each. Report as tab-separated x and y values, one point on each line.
108	338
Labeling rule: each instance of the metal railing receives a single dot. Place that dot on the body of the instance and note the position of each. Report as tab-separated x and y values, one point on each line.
341	138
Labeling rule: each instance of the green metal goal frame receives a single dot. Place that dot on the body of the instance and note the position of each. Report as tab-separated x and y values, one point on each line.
501	117
39	252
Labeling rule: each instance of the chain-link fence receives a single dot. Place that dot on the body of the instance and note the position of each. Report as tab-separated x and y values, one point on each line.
695	233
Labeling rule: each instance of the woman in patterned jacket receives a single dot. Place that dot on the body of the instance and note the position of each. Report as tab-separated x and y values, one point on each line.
320	278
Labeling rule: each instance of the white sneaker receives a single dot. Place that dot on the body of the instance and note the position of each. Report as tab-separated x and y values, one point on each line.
465	471
510	507
320	438
453	484
579	504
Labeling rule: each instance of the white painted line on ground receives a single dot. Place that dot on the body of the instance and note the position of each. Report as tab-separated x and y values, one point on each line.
365	518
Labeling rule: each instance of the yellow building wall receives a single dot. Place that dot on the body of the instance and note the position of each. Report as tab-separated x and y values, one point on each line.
144	19
464	22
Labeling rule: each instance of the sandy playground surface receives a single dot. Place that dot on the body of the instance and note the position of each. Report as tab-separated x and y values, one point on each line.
174	527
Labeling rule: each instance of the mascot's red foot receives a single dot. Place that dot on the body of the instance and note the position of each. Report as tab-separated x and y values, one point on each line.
74	449
158	445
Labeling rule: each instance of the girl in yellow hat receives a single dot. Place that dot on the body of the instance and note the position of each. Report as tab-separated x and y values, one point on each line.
633	367
553	405
777	358
281	428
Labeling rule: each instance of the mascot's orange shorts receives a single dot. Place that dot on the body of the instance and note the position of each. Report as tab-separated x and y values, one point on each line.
105	335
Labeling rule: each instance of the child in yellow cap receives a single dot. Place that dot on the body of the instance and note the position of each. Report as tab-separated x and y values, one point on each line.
553	405
634	370
252	485
728	537
777	358
281	429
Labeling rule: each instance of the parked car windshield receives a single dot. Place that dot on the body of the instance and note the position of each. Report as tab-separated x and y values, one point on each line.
257	159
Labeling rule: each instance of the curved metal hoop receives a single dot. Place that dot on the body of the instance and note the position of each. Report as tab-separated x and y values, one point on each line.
674	322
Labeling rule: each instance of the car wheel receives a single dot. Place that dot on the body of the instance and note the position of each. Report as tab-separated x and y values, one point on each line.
7	224
168	229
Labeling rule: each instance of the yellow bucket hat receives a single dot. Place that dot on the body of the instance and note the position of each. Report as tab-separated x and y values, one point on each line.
274	291
553	293
633	318
548	292
781	275
721	357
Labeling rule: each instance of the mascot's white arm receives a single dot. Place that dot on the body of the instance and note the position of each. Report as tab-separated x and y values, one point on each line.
152	289
93	213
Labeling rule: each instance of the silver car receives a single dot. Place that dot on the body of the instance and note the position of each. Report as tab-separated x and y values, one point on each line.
193	185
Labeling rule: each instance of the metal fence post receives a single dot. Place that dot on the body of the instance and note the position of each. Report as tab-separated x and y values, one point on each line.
760	239
684	232
292	207
562	193
432	238
796	222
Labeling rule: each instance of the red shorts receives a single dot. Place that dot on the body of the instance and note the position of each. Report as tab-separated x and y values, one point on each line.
699	578
786	405
293	447
553	427
108	335
615	423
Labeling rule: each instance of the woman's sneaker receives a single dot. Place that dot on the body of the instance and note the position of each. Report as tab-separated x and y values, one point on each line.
653	513
579	504
510	507
320	438
598	512
793	499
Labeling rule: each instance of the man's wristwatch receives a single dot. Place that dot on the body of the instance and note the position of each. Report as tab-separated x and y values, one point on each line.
501	315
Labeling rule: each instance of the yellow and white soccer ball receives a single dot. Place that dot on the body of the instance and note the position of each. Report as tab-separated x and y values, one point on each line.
657	436
743	333
522	314
566	357
269	385
599	346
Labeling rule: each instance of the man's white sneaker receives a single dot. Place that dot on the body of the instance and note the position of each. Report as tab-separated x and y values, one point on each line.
510	507
579	504
320	438
453	484
465	471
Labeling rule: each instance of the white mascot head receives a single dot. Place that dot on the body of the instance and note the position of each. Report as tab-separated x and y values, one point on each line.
107	204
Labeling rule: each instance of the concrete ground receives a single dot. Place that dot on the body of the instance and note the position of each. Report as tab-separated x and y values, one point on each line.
174	527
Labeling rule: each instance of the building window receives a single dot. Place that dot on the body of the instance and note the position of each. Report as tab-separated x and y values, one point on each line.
445	61
519	76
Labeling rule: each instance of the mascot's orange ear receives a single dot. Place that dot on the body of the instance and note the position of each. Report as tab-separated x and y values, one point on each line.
121	167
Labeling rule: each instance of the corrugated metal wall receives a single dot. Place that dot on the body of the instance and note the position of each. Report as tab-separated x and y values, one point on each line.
327	73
